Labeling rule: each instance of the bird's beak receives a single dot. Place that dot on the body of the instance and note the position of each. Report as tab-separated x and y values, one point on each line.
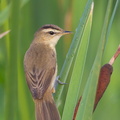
67	32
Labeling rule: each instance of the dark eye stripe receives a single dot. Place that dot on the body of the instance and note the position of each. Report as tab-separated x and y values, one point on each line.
51	33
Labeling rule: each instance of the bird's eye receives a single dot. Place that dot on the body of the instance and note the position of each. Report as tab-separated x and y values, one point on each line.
51	33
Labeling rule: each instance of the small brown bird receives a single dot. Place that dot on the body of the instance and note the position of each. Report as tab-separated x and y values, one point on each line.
40	66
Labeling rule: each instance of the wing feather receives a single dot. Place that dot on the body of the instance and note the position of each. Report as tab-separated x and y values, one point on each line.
38	84
40	67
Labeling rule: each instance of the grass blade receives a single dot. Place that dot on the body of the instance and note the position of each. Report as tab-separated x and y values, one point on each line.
86	106
11	81
4	33
112	17
4	15
76	78
71	53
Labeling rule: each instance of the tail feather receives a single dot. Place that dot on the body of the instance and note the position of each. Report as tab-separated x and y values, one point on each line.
46	110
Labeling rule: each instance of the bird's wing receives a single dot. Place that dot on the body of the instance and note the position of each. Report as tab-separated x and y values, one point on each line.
39	69
39	81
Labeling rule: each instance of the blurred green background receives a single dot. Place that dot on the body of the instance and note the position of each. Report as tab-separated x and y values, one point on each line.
23	18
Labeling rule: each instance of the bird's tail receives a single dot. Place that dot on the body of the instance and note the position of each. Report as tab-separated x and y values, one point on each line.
46	110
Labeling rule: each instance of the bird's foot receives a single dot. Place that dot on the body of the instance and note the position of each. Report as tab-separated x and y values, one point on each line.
57	81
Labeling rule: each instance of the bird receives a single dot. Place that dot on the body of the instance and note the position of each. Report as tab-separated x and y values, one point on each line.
40	66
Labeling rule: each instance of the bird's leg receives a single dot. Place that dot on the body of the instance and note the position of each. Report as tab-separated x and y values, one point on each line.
57	81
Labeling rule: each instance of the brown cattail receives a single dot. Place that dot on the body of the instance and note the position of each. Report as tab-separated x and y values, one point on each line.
104	79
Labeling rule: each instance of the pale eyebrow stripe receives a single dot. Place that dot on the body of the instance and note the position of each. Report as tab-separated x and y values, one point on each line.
49	29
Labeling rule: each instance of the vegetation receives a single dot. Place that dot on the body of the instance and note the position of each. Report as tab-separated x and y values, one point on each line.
94	40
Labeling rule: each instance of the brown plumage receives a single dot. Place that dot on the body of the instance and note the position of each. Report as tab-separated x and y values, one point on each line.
41	70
